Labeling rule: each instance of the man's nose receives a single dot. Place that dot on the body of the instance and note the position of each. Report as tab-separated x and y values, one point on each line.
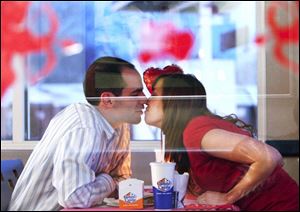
143	98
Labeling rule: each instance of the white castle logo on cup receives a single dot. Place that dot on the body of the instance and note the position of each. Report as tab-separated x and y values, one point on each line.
164	185
130	197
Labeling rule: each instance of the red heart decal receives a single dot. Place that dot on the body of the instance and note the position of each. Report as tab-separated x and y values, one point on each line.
178	44
151	74
167	41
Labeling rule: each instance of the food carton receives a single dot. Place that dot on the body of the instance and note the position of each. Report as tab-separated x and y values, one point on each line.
131	194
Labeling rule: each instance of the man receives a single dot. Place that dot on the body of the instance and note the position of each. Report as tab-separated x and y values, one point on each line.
85	149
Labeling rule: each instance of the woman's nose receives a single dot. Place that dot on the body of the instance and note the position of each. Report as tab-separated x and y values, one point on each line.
147	101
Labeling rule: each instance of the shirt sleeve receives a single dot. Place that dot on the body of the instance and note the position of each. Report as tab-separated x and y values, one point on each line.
74	170
195	131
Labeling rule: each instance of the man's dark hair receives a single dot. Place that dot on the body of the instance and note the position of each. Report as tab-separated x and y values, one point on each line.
104	75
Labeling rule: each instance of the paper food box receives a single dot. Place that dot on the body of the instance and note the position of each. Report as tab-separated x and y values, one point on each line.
131	194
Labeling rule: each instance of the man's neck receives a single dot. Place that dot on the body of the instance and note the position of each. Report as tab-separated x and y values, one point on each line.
108	115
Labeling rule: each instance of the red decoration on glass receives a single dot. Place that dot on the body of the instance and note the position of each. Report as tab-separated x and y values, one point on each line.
151	74
282	34
178	44
164	40
17	39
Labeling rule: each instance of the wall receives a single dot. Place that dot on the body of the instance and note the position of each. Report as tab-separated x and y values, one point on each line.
282	100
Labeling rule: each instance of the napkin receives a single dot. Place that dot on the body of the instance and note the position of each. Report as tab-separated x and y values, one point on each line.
180	187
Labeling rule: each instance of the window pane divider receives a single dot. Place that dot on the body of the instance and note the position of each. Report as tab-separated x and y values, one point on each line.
261	75
18	100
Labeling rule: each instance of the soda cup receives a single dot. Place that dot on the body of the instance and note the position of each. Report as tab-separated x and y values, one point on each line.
163	184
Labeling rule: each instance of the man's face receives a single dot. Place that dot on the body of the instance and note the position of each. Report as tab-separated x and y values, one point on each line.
131	104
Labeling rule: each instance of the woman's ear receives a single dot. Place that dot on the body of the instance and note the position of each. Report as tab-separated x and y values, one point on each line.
106	99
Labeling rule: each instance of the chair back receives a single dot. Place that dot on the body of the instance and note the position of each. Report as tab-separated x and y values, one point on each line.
10	172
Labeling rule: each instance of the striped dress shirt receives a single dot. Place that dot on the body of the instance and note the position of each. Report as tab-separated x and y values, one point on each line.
77	163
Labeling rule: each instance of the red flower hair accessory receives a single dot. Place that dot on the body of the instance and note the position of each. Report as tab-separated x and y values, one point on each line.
151	74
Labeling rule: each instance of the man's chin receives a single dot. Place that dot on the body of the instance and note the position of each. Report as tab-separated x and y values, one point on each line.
135	121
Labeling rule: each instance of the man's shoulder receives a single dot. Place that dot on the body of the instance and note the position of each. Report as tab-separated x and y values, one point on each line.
85	115
76	111
88	115
80	107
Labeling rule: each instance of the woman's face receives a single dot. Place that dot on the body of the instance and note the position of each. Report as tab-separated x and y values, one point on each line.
154	112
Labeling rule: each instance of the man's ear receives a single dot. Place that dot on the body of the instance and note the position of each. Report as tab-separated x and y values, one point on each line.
106	99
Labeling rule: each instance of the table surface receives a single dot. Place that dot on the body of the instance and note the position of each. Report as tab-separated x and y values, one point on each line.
189	199
189	202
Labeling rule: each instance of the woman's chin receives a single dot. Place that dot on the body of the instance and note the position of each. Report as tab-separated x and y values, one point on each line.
151	123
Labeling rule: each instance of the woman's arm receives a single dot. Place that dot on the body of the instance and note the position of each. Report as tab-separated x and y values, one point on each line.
261	157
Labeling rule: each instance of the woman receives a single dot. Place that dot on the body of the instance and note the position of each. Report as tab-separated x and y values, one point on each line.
220	153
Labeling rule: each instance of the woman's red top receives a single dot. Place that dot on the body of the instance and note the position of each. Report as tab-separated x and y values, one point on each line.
278	192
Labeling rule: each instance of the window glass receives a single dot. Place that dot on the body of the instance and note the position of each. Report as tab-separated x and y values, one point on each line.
68	36
63	56
6	116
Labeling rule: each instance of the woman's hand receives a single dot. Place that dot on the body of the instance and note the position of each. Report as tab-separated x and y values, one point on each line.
212	198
